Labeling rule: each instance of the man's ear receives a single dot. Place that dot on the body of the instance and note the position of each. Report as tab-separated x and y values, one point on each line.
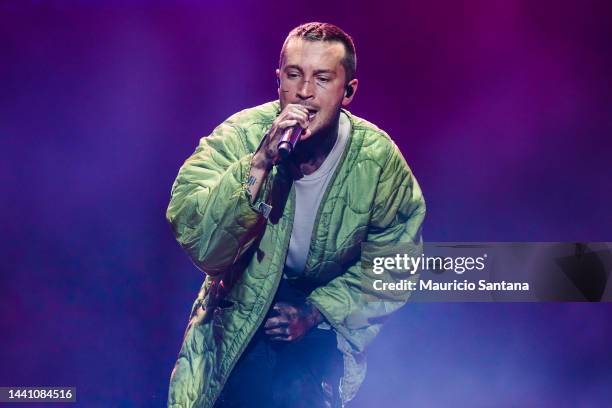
349	92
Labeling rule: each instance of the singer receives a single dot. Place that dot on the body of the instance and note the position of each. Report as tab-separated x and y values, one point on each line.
273	207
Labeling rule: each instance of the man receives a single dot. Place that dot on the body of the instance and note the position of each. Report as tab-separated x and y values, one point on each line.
282	315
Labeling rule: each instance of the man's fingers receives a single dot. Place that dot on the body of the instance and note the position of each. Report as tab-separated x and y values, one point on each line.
284	125
294	120
298	109
279	331
288	312
284	338
299	117
279	321
280	338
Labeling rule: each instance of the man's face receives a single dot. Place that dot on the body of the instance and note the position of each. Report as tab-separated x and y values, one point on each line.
312	75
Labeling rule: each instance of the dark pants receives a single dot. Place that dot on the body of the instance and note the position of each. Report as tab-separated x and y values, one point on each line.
302	373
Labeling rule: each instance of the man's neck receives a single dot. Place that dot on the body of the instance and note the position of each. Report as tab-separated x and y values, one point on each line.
311	154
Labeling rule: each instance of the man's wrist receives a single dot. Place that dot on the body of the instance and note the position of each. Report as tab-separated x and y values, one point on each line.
260	162
313	313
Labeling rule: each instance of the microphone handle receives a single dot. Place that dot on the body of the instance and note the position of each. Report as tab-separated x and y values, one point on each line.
288	141
290	138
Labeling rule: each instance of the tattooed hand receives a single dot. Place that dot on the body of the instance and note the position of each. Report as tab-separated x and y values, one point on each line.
291	115
267	155
292	322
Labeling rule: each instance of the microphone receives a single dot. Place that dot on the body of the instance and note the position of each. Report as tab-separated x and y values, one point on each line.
290	138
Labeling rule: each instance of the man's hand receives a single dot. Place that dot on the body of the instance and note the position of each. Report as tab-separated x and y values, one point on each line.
291	115
292	322
267	156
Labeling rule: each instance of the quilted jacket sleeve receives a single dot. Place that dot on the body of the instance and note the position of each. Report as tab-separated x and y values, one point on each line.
210	211
397	215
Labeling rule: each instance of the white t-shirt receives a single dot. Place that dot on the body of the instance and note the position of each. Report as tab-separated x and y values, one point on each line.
309	191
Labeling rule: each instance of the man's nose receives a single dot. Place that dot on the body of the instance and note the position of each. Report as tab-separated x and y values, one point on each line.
305	90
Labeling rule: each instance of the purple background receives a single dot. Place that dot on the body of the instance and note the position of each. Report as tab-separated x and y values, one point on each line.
502	108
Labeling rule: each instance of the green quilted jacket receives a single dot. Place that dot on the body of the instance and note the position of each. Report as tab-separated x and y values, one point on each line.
372	197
